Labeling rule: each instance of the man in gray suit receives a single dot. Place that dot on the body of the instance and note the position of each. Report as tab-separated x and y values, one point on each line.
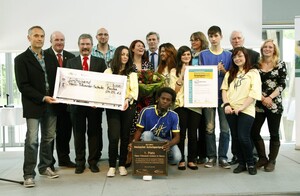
81	114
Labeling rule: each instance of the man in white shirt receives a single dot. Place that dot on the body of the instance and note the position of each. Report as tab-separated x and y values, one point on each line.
153	41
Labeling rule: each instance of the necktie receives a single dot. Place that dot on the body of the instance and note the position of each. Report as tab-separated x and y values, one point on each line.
59	59
152	58
85	66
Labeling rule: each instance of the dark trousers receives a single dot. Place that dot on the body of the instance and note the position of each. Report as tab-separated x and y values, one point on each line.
63	136
188	120
273	125
119	125
201	143
87	120
240	126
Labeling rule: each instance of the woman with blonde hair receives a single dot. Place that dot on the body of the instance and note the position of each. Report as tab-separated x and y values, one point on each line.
199	42
273	75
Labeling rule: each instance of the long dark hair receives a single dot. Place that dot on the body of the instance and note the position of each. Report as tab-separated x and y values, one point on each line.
233	70
116	62
171	60
180	52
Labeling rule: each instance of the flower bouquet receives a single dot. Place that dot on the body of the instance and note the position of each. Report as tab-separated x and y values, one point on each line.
149	82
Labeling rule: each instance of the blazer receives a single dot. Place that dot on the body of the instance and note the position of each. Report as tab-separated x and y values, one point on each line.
96	64
66	56
30	79
60	108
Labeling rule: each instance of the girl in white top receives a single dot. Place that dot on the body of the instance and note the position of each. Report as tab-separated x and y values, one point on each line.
240	89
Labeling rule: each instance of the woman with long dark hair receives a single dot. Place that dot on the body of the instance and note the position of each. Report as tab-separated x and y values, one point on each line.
241	88
119	122
188	117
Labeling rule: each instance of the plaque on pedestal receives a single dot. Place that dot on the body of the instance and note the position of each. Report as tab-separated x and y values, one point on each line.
149	158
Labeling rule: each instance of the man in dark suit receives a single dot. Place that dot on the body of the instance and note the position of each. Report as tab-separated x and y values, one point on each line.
35	76
237	40
153	41
81	114
63	124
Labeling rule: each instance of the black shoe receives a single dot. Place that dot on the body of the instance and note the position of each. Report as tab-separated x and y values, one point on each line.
234	160
69	164
79	169
181	166
252	170
94	168
201	160
239	169
192	167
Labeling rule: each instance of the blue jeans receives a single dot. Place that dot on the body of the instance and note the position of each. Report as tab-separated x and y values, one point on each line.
210	115
174	155
48	129
240	127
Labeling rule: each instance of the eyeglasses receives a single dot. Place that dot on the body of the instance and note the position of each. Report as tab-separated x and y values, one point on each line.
103	34
194	40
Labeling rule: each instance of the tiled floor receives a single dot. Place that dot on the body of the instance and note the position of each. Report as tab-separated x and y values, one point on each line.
285	180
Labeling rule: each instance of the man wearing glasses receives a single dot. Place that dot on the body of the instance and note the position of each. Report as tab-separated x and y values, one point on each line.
103	49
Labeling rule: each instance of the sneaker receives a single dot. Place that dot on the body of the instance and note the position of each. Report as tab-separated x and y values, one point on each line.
29	182
123	171
224	164
111	172
210	163
49	173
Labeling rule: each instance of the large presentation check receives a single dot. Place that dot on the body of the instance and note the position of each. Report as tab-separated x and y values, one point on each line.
201	86
89	88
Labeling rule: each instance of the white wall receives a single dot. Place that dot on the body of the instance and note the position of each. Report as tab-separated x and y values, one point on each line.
297	83
127	20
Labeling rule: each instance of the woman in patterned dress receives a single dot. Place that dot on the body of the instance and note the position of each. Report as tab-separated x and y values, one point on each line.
273	74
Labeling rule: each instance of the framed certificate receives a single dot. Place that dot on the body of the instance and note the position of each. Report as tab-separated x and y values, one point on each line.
201	86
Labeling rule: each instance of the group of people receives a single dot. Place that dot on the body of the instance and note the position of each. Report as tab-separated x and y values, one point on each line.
250	90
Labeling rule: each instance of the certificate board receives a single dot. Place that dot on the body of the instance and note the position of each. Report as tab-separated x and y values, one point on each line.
89	88
201	86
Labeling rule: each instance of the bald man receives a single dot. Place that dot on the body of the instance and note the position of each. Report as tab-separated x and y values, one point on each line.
103	49
64	125
237	40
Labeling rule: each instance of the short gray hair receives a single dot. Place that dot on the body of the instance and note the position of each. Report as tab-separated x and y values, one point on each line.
35	27
152	33
85	36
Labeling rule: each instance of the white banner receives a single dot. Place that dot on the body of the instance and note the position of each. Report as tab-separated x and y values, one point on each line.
201	86
89	88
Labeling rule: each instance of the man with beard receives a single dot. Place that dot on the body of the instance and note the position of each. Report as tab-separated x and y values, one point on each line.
82	114
103	49
159	123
